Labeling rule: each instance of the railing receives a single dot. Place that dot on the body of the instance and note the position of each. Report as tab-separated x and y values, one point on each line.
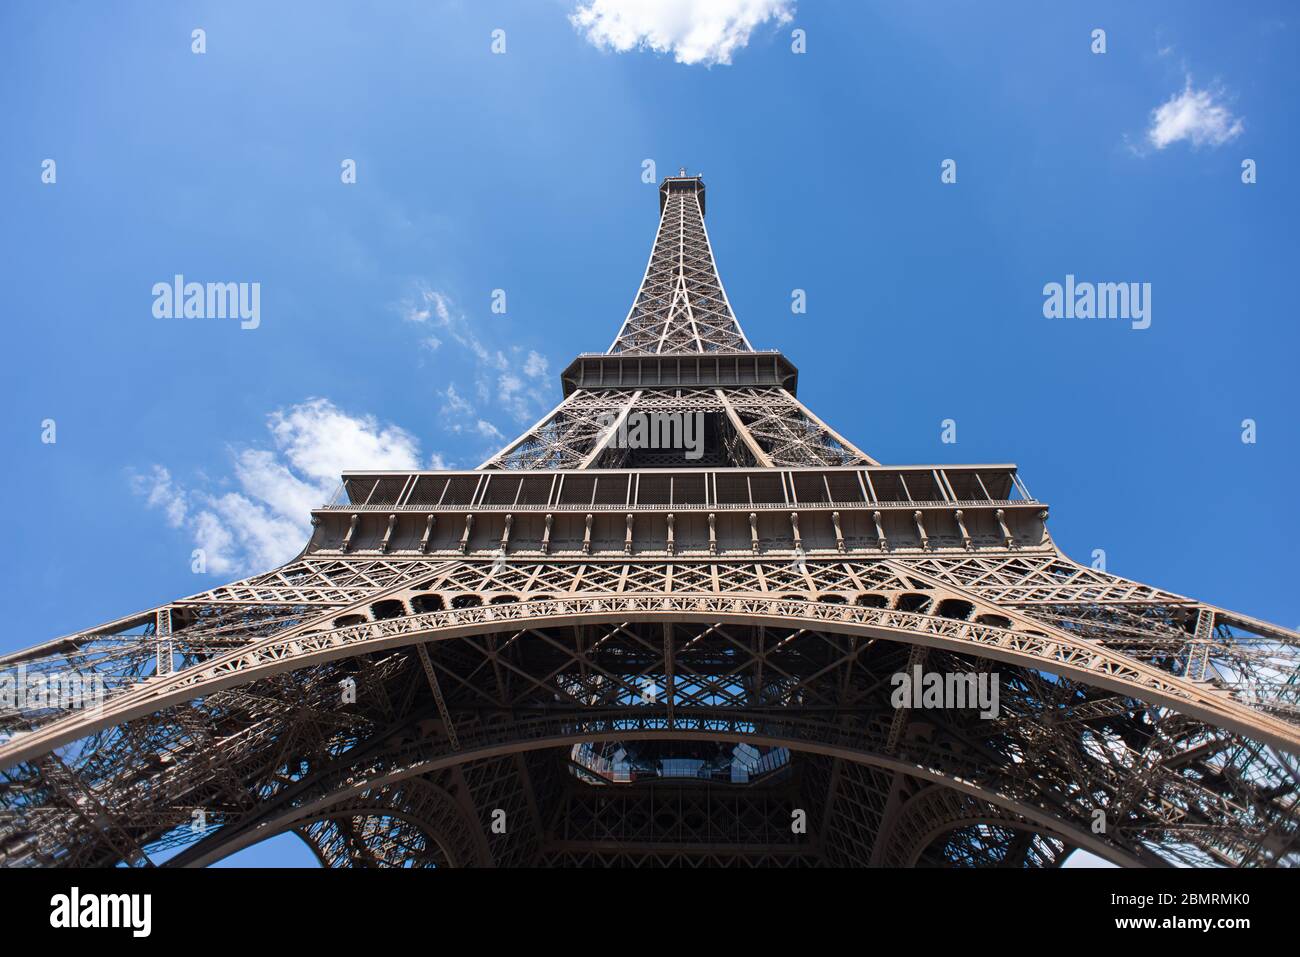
621	489
740	770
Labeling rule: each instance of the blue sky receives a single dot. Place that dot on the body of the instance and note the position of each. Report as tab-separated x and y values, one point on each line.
522	171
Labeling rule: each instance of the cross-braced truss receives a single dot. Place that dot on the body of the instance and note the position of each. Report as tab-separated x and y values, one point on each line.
744	427
681	306
587	654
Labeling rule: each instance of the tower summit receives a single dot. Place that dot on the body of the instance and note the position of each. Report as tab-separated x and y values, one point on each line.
680	620
681	338
681	306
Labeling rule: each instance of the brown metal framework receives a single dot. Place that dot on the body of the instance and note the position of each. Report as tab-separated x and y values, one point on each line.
587	654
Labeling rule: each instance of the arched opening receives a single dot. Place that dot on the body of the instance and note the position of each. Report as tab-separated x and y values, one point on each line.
466	601
422	604
1000	621
654	798
388	608
871	600
992	844
955	608
910	601
791	669
345	621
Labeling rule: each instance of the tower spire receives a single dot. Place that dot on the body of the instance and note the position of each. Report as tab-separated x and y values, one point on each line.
681	307
746	399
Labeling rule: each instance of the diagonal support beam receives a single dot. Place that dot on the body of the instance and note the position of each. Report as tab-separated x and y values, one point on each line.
436	688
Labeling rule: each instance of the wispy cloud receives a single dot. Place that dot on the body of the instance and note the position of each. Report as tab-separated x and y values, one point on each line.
258	515
460	416
535	365
266	520
694	31
1193	115
503	380
433	307
520	393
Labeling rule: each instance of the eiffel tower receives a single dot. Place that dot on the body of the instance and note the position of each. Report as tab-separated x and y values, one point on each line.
592	650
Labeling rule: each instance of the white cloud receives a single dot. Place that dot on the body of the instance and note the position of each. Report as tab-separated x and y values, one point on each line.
161	492
322	441
459	415
694	31
504	379
267	520
488	430
216	541
1193	115
262	538
511	397
535	365
456	407
520	397
431	306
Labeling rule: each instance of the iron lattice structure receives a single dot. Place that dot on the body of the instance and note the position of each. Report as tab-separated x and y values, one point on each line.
583	653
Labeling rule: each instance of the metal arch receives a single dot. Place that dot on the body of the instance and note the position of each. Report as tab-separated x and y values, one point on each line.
1060	654
822	732
423	805
348	840
218	846
936	810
